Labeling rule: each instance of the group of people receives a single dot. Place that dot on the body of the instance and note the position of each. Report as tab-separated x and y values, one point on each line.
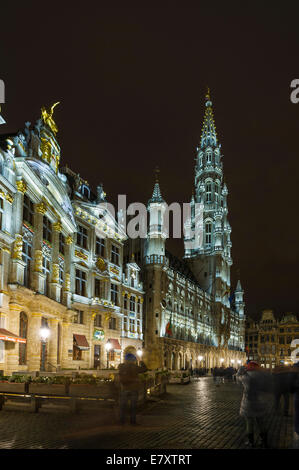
258	383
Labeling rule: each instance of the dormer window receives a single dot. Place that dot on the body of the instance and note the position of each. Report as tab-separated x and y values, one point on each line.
85	191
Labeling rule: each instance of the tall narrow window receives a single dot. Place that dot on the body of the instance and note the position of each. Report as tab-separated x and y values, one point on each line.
100	246
209	192
46	271
47	229
23	327
209	157
27	258
208	233
98	320
1	212
61	243
132	304
28	210
216	193
80	283
115	255
114	294
82	236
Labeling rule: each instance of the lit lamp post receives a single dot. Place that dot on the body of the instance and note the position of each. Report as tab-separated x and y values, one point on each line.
139	354
221	361
108	346
44	335
200	358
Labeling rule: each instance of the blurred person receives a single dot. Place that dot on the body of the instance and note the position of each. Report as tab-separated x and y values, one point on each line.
130	385
253	403
282	377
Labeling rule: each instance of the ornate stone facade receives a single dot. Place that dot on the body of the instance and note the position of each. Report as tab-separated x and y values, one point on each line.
59	270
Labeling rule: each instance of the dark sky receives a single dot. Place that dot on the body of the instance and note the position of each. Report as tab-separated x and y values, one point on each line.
132	81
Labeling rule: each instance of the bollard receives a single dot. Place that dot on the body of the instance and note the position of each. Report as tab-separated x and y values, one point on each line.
67	386
74	405
2	400
26	387
35	404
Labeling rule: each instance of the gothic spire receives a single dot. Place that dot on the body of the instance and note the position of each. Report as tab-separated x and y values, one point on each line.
156	197
208	133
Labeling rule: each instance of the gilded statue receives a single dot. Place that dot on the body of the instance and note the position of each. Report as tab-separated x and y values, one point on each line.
47	117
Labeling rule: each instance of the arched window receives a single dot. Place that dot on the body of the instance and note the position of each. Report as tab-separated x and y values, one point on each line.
132	304
23	328
209	156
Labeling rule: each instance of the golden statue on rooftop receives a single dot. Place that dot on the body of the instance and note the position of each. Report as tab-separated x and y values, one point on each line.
47	117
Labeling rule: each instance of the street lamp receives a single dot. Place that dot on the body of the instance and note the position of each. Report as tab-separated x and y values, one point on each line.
222	361
44	335
139	354
108	346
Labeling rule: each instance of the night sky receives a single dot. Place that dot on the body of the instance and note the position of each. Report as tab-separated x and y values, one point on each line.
132	82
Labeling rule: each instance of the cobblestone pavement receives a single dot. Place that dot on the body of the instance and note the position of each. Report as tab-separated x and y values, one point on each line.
199	415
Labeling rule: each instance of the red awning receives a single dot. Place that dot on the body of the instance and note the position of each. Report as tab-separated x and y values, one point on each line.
6	335
81	342
115	344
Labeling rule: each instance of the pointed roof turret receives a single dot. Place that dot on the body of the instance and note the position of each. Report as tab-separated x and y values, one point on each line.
239	287
156	197
208	133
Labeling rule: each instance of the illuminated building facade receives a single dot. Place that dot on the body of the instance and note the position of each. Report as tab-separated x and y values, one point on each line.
268	341
192	317
64	291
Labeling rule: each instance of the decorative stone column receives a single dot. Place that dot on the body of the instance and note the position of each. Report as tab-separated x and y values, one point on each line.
66	343
12	349
55	287
17	265
69	248
38	276
34	342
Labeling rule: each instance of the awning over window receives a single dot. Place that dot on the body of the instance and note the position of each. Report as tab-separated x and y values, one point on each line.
115	344
6	335
81	342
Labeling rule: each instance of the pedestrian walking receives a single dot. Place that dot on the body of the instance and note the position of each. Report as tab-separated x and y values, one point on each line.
282	380
130	385
295	390
253	405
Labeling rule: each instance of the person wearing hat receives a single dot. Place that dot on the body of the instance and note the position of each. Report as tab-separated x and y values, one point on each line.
253	407
129	386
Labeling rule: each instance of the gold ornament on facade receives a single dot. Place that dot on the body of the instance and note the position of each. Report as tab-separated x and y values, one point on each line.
69	240
41	208
21	186
55	273
67	283
57	226
18	247
100	264
9	198
81	255
47	118
38	261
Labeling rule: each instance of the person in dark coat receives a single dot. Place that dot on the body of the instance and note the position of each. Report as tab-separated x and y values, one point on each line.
295	390
253	405
130	385
282	377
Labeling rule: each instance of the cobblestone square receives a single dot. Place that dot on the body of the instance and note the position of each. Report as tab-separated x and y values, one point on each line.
199	415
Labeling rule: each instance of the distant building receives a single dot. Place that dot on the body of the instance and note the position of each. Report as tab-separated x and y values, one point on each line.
268	340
